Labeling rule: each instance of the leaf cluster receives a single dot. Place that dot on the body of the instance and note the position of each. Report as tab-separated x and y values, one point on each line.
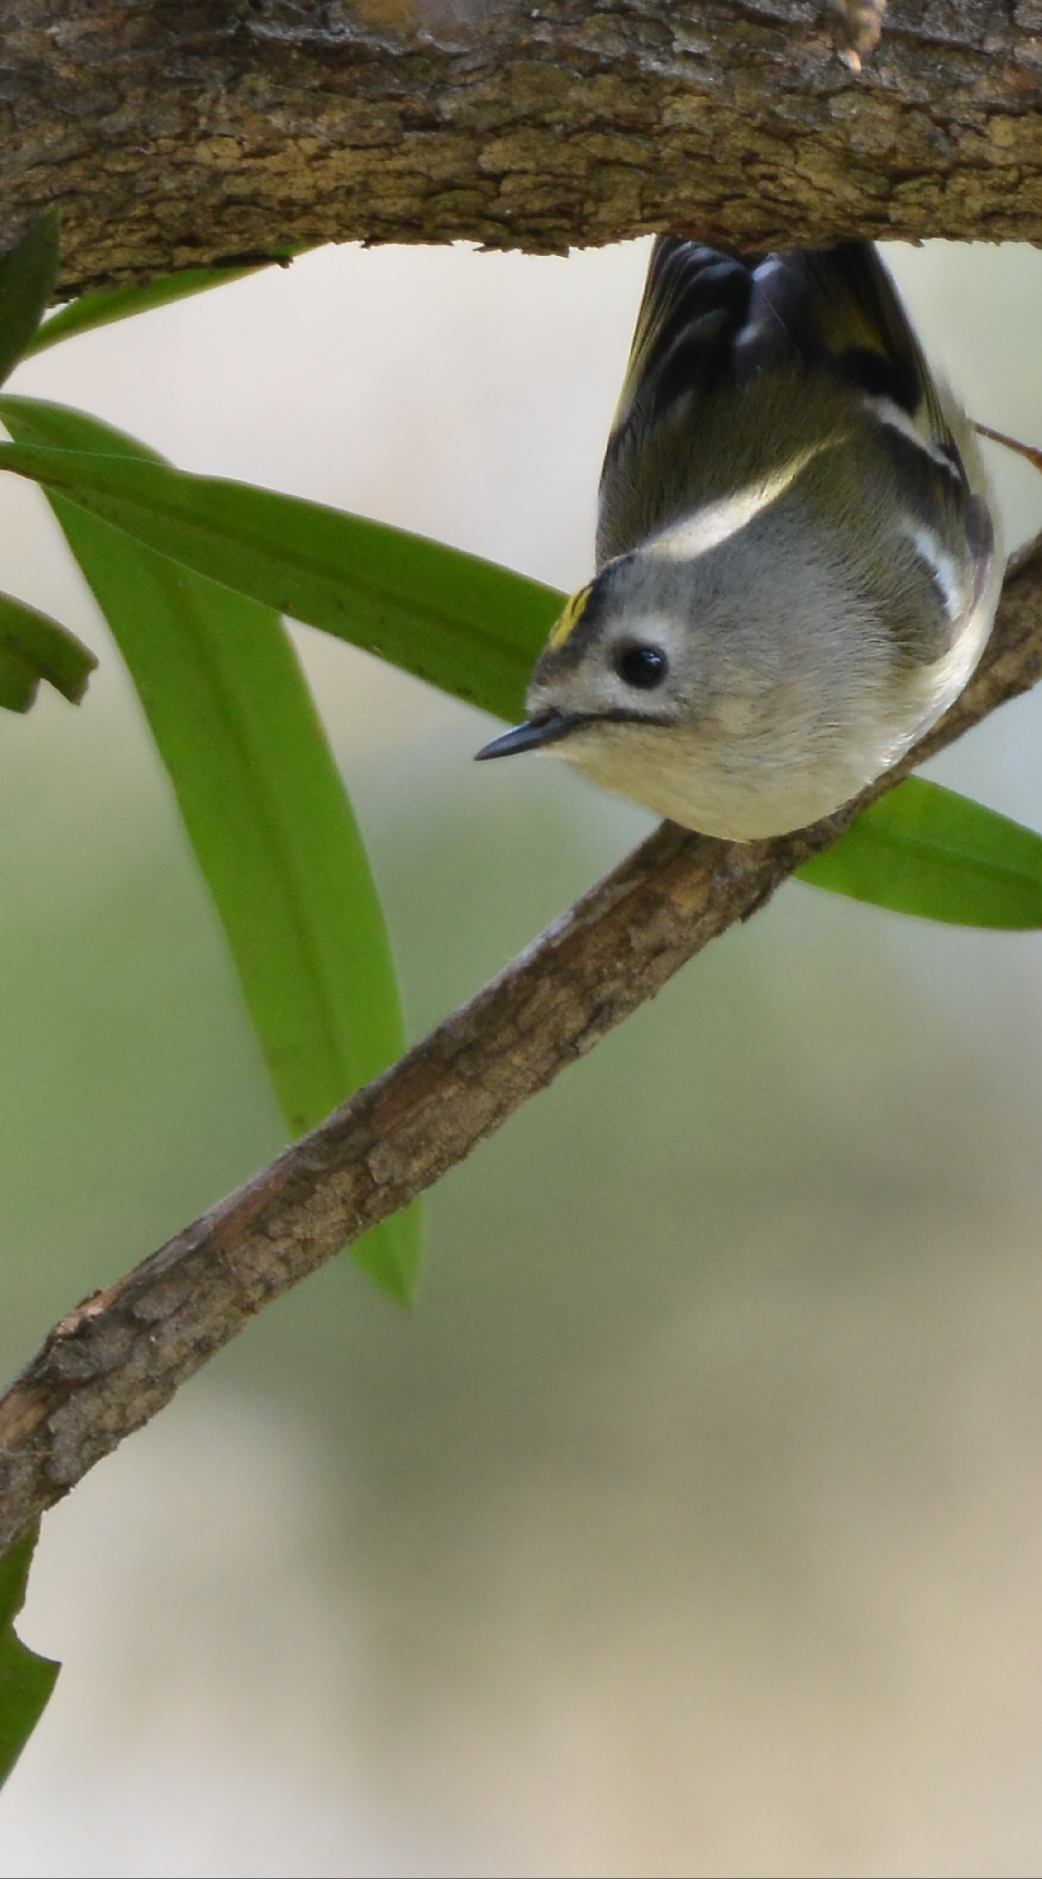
193	575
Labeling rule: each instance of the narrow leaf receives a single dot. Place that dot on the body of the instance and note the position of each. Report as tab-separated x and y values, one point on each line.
28	273
928	851
35	647
460	622
110	304
474	629
268	819
26	1680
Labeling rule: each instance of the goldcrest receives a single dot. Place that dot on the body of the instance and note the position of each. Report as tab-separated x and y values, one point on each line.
797	555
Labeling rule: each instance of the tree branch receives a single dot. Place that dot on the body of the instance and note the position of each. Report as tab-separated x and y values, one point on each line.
115	1360
172	135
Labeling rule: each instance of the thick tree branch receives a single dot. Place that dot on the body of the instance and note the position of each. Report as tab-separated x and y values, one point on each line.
173	134
115	1360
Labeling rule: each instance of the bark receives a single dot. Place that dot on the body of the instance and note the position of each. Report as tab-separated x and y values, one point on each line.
119	1357
179	132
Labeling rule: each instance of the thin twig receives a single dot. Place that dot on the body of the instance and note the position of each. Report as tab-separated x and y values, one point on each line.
115	1360
1030	452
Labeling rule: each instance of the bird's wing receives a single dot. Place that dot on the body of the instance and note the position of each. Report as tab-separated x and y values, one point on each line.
709	322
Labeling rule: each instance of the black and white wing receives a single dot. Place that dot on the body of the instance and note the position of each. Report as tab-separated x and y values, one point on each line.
711	324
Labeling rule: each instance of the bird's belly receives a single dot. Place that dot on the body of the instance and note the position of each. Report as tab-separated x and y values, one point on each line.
739	796
761	767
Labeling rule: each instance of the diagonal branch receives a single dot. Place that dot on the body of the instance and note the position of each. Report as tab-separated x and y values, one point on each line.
115	1360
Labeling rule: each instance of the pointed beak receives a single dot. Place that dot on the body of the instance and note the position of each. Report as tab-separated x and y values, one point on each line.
547	728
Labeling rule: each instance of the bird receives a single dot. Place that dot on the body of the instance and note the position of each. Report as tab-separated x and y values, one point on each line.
797	553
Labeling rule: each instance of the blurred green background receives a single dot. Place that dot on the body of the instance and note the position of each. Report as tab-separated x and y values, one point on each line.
692	1522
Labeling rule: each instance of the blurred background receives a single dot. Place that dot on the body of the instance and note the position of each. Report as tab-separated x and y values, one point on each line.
692	1522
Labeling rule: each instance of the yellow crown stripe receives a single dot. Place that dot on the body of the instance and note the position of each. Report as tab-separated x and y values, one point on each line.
570	618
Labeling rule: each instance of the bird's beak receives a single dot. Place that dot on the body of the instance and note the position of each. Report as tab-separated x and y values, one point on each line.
547	728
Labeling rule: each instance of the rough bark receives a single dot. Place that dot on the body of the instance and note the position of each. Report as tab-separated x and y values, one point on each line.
117	1359
178	132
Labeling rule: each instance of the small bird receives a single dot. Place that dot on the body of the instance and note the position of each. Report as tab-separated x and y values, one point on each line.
797	555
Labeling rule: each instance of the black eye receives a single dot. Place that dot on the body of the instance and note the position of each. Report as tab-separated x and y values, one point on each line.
642	666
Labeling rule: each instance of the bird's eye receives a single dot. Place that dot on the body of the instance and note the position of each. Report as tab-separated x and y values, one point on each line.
641	666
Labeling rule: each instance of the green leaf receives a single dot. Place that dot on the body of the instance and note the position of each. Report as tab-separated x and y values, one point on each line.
475	629
28	273
26	1680
268	819
464	624
110	304
35	647
928	851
